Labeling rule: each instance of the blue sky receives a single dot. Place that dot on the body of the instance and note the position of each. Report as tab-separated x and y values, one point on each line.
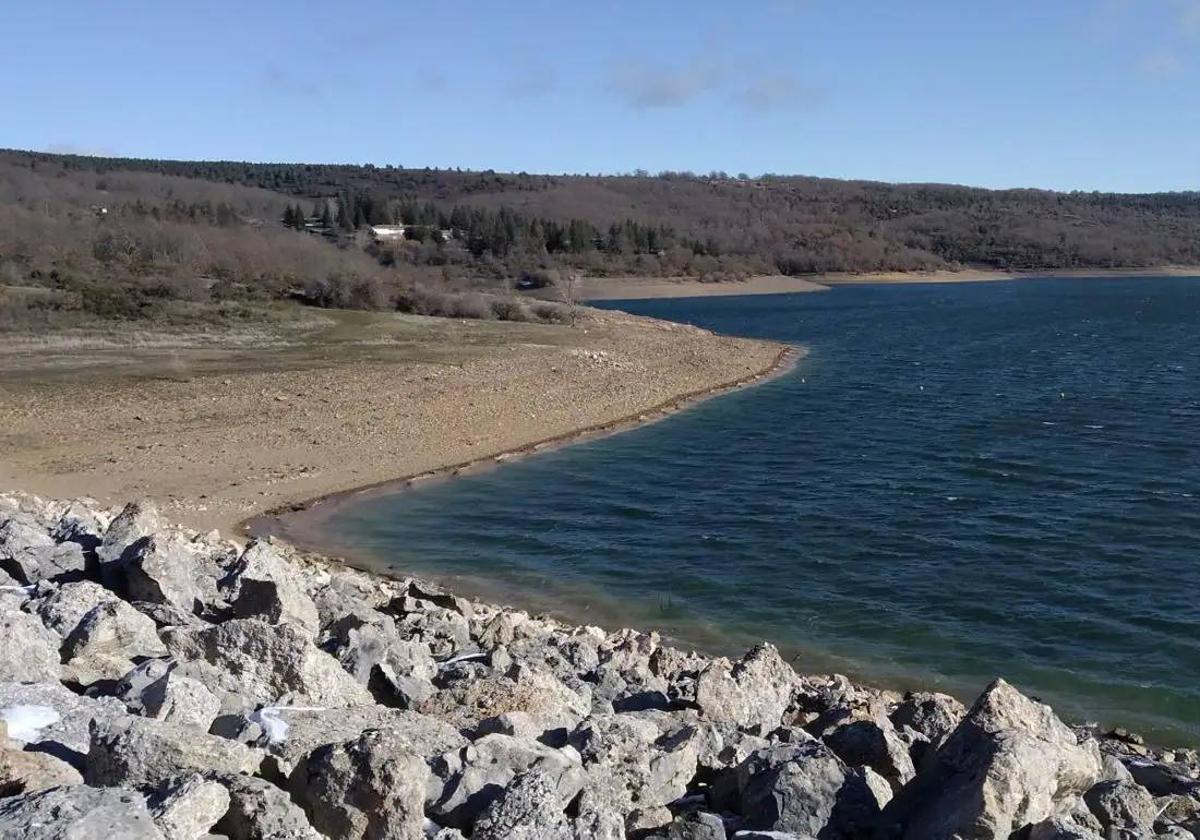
1066	94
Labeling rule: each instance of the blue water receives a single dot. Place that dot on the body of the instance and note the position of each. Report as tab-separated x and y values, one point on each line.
957	482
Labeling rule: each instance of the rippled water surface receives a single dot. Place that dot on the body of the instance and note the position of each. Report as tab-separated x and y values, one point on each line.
959	481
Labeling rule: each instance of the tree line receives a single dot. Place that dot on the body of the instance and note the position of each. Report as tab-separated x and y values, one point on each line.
714	226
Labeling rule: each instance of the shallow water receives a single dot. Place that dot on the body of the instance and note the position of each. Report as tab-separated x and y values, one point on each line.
959	481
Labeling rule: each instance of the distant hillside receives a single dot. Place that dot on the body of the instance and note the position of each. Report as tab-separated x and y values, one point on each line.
679	223
79	245
129	239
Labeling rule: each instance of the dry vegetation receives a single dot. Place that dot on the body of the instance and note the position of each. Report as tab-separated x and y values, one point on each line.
191	243
80	247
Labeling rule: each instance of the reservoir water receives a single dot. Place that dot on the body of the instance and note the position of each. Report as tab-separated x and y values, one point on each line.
957	482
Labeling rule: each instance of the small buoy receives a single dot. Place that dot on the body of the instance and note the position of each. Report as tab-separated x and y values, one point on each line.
1062	395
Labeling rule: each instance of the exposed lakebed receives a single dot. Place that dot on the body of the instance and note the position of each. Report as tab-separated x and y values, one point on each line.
957	482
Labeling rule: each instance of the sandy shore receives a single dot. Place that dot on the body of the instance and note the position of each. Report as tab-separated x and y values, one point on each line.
218	431
985	275
640	288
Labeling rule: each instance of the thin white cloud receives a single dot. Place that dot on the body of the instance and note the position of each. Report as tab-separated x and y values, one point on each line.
772	92
1188	14
67	147
645	85
1161	64
531	83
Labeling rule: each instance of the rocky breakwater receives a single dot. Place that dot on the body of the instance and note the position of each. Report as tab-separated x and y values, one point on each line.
155	682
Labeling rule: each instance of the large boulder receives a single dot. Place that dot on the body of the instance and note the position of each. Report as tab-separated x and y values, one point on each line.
1010	763
107	642
136	522
467	702
54	719
398	672
258	810
532	807
140	752
78	812
168	568
628	765
437	620
928	719
267	663
187	808
473	777
25	771
157	688
752	694
697	826
1124	808
875	744
805	789
290	734
29	554
263	585
1061	828
366	788
61	608
82	523
29	651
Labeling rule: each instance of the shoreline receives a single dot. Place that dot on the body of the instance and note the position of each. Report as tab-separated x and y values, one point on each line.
655	288
301	668
223	435
275	521
984	275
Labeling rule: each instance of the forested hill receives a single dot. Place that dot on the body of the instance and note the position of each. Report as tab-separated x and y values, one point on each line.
716	224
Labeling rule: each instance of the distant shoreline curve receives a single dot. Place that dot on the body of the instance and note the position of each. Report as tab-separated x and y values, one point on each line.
651	288
292	522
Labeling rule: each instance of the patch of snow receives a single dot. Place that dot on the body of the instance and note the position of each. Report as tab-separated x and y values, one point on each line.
25	723
273	726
